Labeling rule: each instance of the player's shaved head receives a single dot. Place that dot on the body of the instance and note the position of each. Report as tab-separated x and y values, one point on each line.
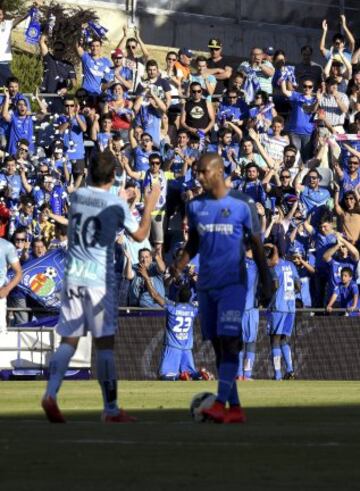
211	159
210	172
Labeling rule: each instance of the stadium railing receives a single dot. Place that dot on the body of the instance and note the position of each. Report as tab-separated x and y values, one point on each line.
324	346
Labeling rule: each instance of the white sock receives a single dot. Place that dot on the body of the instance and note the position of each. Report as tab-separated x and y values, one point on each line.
58	365
106	374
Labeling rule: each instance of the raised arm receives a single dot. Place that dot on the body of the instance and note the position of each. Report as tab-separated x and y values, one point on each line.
44	50
79	49
5	107
6	289
255	137
323	37
143	47
284	90
149	286
348	33
122	43
150	199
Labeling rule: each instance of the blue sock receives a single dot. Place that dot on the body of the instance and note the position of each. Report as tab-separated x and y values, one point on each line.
234	395
57	367
240	371
249	363
286	352
276	358
227	373
106	374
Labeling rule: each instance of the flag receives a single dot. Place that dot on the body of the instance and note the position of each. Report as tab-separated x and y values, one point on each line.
43	277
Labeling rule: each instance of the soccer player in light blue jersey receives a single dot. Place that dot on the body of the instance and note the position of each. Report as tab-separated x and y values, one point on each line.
250	320
8	258
88	296
281	314
219	222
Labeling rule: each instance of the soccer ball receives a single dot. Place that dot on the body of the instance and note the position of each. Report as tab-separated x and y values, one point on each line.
51	272
199	402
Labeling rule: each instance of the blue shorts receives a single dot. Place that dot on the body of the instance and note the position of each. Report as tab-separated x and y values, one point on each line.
281	323
221	311
175	361
250	325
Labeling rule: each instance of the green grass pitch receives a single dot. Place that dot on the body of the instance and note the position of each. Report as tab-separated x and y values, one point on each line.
300	435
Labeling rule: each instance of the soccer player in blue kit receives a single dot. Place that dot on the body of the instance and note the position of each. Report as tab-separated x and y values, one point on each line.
88	297
281	313
219	222
250	320
177	358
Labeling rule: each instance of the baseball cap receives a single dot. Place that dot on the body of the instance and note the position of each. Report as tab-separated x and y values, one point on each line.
214	43
116	53
187	52
269	51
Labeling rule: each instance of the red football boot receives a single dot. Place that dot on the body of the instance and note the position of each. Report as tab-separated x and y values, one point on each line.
121	417
184	376
52	410
215	413
235	414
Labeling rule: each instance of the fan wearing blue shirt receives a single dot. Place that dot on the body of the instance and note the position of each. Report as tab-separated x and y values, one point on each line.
346	294
219	222
228	150
281	313
94	66
20	123
342	254
313	197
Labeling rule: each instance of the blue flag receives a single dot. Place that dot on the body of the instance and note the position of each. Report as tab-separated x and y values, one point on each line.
43	277
33	32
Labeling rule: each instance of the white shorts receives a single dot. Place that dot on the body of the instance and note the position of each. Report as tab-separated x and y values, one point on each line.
2	314
86	309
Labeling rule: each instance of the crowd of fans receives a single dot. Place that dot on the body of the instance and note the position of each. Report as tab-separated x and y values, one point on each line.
288	135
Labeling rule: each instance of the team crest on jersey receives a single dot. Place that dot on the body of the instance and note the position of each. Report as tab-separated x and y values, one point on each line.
225	212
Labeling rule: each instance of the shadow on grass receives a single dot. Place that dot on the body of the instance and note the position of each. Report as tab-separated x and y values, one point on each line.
278	448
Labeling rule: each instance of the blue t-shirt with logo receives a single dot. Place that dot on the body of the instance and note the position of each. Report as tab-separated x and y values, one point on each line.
221	226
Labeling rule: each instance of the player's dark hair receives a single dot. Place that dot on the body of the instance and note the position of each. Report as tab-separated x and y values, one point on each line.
102	168
147	135
184	294
347	270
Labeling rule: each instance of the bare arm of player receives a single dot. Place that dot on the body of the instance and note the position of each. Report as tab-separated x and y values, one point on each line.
190	250
151	199
267	284
149	286
6	289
